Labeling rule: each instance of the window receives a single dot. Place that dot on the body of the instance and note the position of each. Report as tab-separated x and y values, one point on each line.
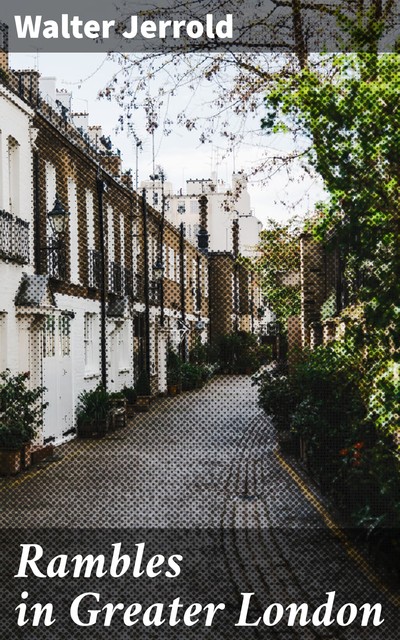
91	343
90	220
194	206
123	350
64	331
155	198
181	207
171	264
122	239
3	341
110	235
73	230
50	337
13	175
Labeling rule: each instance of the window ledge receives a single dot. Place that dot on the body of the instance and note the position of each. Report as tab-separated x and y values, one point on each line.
91	374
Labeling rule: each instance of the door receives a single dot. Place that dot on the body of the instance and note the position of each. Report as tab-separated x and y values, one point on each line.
57	378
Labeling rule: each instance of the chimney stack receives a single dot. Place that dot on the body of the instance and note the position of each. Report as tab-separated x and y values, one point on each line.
4	66
202	236
235	238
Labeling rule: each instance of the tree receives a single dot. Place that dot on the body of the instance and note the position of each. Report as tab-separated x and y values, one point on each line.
272	40
348	107
279	266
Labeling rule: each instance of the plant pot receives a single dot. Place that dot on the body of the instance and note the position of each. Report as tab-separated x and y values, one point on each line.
117	418
40	452
142	403
118	403
130	410
26	459
10	461
173	389
92	428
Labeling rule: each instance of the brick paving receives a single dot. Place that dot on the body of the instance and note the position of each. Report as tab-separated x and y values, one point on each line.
203	460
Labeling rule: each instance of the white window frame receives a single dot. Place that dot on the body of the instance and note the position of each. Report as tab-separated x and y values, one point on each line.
91	343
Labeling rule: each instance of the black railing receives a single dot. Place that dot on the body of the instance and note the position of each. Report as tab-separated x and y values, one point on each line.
114	278
128	283
14	238
138	287
154	292
94	269
56	262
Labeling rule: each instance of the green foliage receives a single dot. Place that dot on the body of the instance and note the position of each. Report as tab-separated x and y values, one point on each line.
239	352
130	394
174	368
346	411
279	266
93	405
192	376
277	397
143	384
348	108
199	354
21	409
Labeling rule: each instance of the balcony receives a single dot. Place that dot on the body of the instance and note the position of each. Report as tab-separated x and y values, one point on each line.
56	262
115	278
128	283
94	269
14	238
154	292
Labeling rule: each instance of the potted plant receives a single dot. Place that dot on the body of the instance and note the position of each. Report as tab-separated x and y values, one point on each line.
131	396
191	376
143	392
117	402
174	373
93	413
21	415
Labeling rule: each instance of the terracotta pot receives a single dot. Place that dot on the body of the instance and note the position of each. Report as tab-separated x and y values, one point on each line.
130	410
10	461
92	428
26	459
40	452
173	389
142	403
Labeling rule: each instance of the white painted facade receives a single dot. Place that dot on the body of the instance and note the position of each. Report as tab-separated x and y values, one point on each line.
16	200
225	204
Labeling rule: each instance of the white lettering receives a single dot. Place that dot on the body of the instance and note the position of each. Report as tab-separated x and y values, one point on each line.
31	562
224	28
93	613
244	611
28	26
351	616
195	29
376	609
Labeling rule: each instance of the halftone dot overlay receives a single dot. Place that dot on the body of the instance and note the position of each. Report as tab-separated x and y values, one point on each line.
101	293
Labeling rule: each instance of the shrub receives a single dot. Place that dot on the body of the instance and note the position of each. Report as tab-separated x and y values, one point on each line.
130	394
174	368
239	352
93	405
143	384
191	376
21	409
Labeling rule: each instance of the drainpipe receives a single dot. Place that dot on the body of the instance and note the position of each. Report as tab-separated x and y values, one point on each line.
146	281
182	267
36	214
161	251
103	328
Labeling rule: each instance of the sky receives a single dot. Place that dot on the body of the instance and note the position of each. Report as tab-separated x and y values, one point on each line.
180	154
